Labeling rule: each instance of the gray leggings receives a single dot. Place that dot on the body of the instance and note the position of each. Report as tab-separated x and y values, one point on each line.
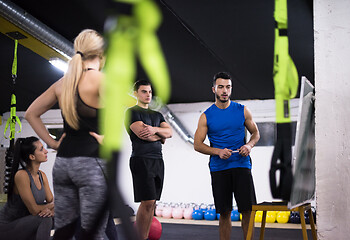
29	227
80	189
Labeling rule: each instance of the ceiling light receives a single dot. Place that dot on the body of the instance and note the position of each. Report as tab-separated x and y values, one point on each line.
60	64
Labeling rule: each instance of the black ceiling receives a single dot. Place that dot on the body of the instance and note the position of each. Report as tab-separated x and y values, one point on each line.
199	38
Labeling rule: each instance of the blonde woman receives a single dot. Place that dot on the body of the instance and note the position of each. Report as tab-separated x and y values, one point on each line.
78	177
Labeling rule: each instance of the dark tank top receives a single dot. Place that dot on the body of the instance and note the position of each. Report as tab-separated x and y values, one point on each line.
39	194
15	208
79	142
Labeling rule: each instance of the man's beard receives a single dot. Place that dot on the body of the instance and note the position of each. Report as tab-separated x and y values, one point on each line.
145	102
223	101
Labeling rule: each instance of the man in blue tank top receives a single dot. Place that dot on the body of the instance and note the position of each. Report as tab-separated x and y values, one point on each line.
230	165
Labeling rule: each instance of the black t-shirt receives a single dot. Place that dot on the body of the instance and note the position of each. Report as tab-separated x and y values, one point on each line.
142	148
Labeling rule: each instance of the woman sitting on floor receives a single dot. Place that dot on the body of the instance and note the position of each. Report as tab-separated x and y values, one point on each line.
29	211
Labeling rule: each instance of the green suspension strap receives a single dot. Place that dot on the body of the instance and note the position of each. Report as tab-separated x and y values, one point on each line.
151	56
11	121
120	72
134	35
285	75
286	81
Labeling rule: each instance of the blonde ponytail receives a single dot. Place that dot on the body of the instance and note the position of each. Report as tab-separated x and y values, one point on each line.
69	90
88	45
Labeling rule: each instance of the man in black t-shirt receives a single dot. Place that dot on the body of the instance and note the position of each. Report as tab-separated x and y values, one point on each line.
147	130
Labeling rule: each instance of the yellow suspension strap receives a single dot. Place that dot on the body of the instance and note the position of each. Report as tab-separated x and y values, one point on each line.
134	35
11	121
286	81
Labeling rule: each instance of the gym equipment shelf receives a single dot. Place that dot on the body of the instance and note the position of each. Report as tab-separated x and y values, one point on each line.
281	207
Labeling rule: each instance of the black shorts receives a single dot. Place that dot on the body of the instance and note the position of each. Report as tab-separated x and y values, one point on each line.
148	177
235	180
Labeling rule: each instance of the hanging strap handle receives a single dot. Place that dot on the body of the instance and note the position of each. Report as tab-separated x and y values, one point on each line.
12	120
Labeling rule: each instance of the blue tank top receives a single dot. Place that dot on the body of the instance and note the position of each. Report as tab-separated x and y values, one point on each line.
226	129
